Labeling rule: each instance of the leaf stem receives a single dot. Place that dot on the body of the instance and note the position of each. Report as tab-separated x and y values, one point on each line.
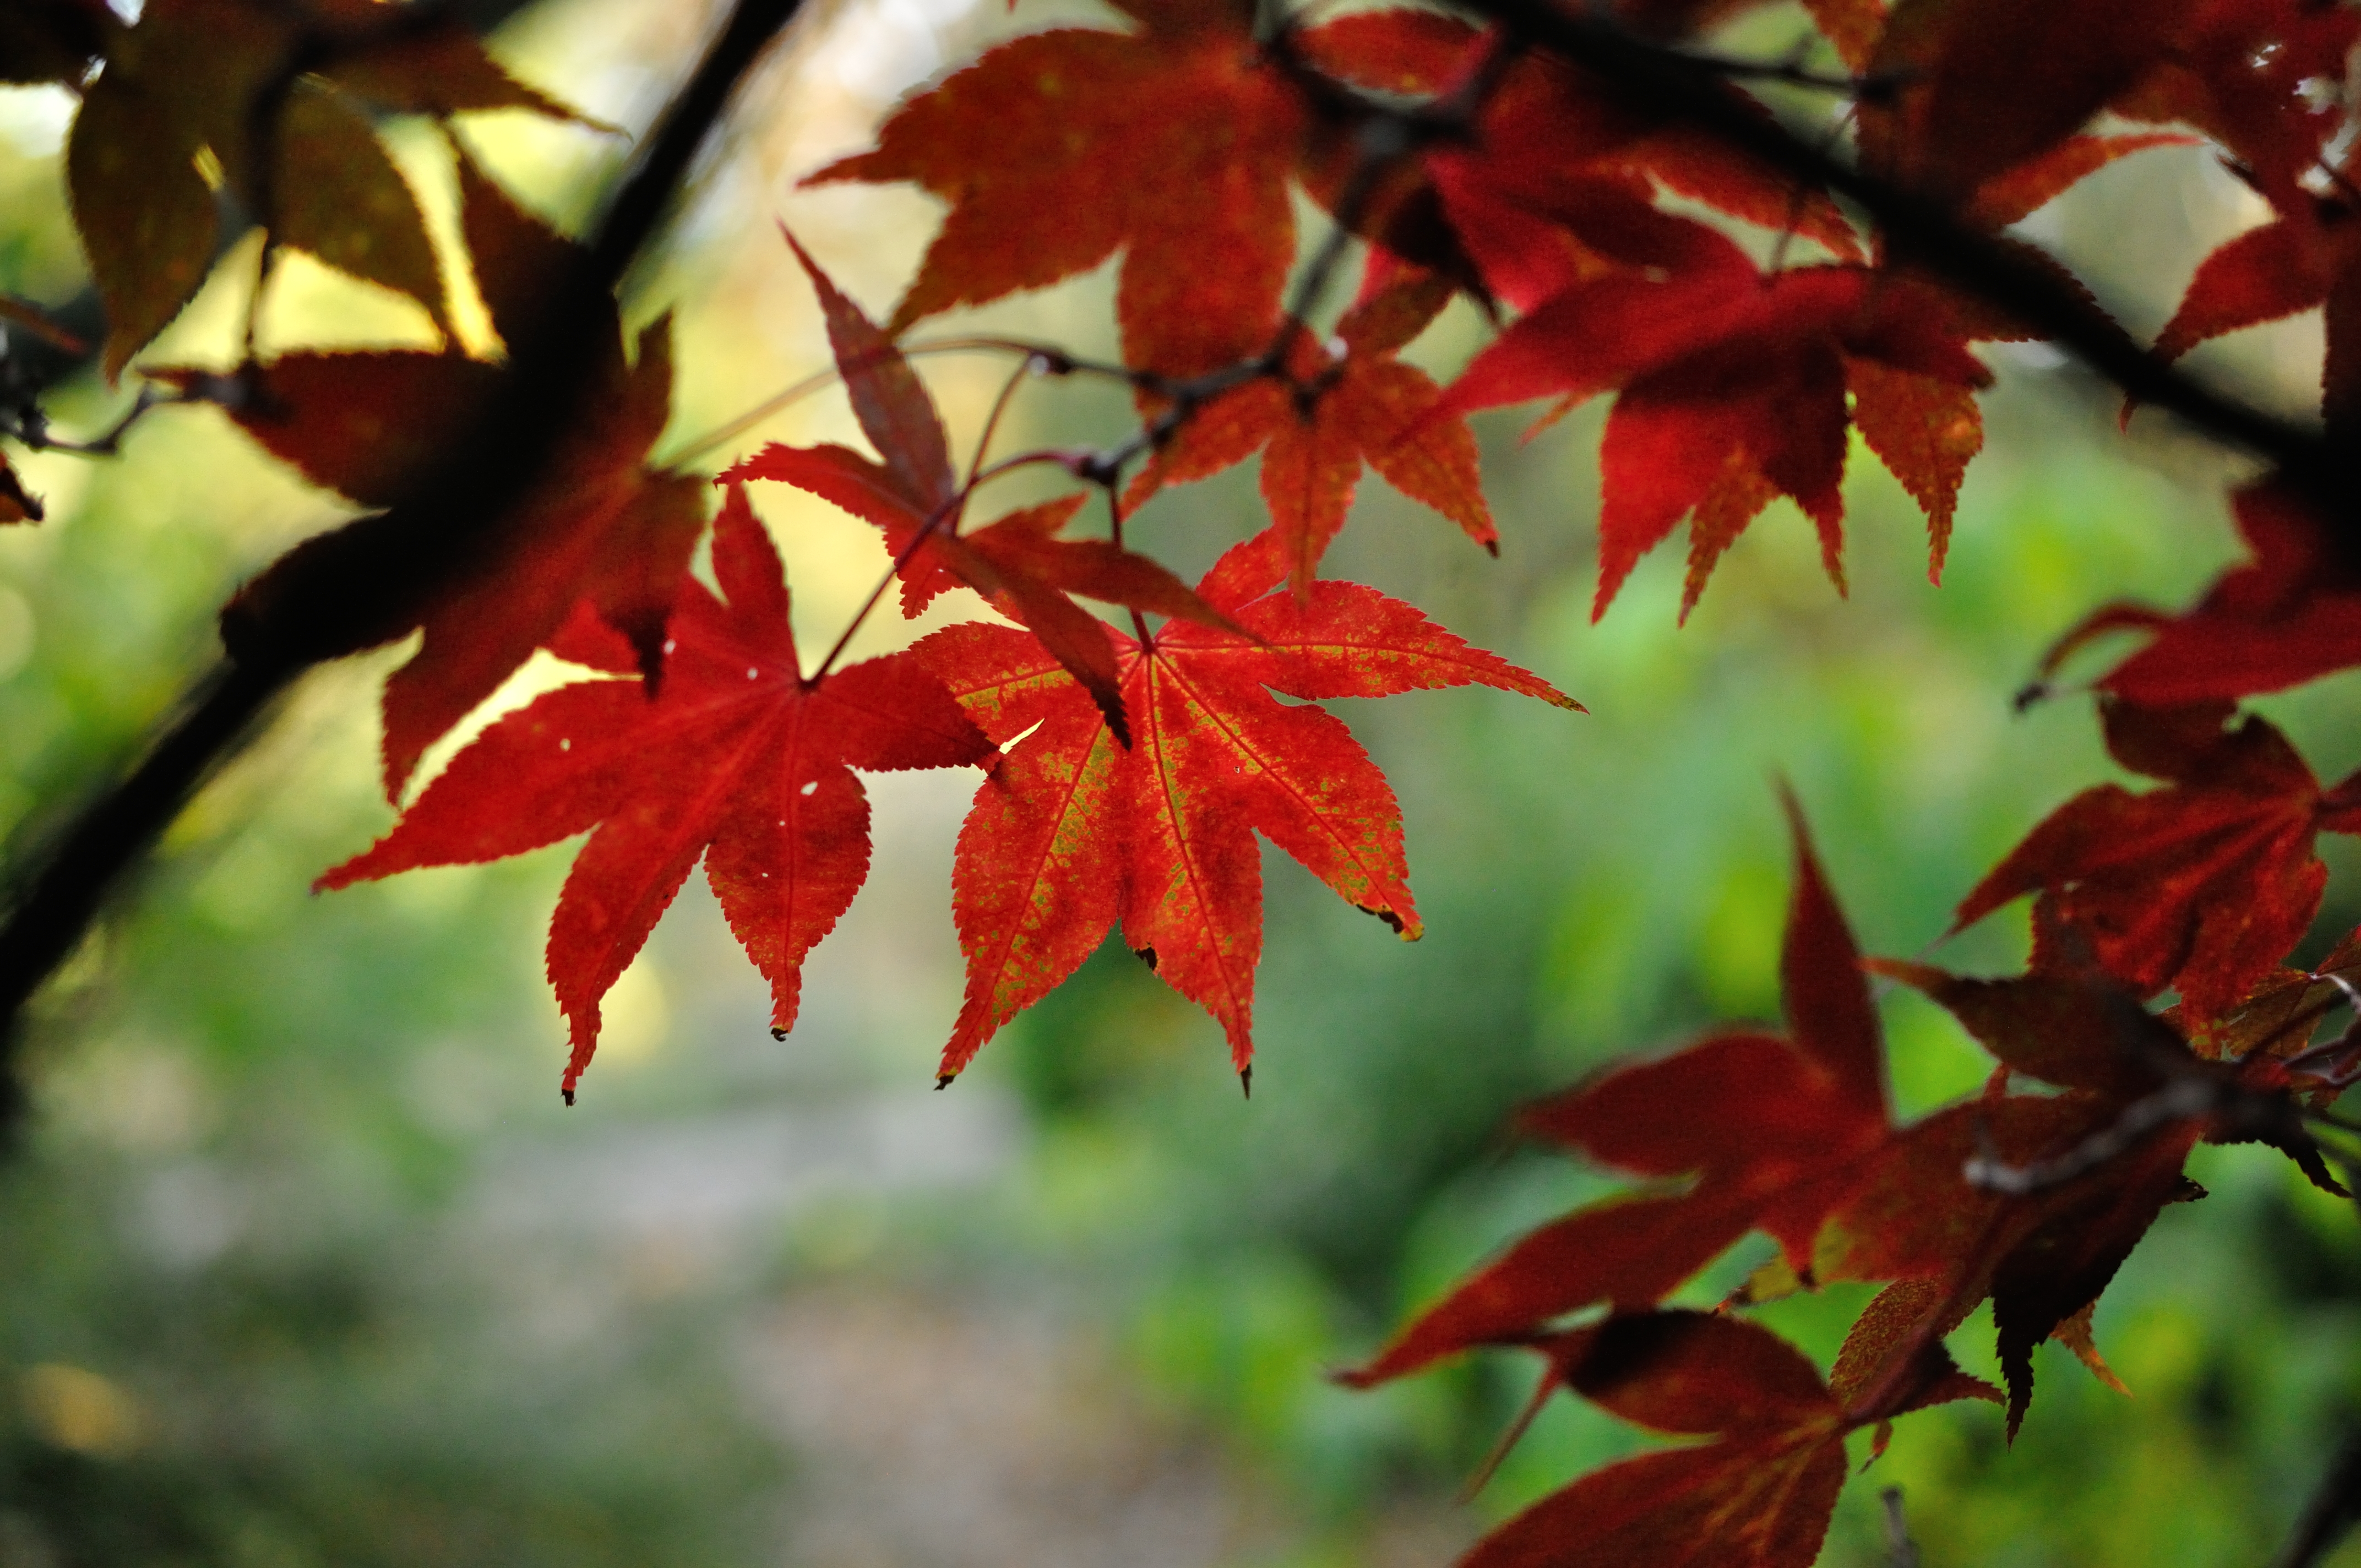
1053	361
935	520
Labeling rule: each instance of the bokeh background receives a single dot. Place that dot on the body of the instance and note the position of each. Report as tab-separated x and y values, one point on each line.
302	1263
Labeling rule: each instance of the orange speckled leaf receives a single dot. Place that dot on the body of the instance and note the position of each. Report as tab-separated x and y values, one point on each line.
1173	143
1358	404
1924	431
1074	831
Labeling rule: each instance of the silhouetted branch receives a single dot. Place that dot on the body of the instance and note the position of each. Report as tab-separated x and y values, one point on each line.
1929	234
1901	1551
328	603
2333	1509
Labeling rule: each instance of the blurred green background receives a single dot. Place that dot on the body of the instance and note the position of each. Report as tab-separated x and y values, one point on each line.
305	1265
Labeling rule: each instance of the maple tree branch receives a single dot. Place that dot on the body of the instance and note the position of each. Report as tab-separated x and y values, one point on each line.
334	601
2178	1100
1930	236
1901	1551
2333	1509
31	424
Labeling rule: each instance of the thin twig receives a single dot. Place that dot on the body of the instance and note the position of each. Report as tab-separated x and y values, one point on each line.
936	521
1051	359
1901	1551
2179	1098
2332	1511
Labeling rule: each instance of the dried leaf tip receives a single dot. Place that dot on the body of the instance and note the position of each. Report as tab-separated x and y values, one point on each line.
567	1095
778	1033
944	1081
1246	1080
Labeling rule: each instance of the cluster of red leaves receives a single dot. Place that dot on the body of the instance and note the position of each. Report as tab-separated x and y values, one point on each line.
1734	385
2031	1199
1127	775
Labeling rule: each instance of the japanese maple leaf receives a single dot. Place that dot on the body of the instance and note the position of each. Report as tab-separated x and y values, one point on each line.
2096	1163
1982	85
910	492
1177	141
1715	362
2309	257
2202	886
1336	407
600	526
1543	125
1760	1493
16	504
1731	387
2248	73
1074	832
2278	1017
2290	614
193	77
1172	143
1736	386
738	759
1762	1131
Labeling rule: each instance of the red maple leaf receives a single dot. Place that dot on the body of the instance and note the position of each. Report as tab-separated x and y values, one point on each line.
1180	140
1759	1494
1543	126
1981	86
912	494
1762	1131
598	527
738	759
1073	831
2201	886
2037	1200
2248	73
1732	389
2310	256
1333	407
2290	614
1172	143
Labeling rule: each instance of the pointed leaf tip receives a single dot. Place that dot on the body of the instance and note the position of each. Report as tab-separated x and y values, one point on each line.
1830	1009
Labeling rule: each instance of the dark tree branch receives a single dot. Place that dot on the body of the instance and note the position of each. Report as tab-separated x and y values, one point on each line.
329	601
1928	235
1901	1551
2332	1511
